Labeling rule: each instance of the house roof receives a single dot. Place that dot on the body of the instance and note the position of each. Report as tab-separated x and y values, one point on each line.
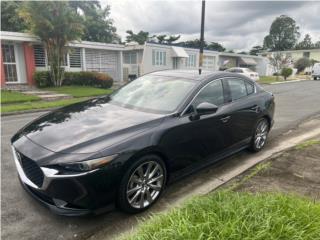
26	37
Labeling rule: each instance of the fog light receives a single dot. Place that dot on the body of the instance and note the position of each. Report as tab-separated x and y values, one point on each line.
59	203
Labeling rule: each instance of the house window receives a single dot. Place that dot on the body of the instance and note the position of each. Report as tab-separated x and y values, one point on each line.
306	54
39	56
130	58
9	62
75	58
208	62
159	58
191	60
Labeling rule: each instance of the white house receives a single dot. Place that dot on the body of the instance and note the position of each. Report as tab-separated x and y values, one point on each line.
22	54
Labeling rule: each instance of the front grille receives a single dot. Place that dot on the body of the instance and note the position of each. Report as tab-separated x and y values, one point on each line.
31	170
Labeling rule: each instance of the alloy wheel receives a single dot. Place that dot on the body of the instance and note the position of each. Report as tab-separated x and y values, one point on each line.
261	134
145	184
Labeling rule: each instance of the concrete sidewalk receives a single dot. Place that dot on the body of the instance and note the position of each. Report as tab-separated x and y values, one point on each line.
295	171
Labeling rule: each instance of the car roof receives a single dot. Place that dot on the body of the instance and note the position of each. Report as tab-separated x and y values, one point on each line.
194	74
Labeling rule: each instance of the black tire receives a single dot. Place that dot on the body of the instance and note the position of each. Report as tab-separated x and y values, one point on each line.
254	147
315	78
132	173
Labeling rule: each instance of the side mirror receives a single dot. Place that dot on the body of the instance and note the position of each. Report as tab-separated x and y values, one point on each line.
206	108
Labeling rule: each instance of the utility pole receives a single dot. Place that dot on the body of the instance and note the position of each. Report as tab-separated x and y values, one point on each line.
202	36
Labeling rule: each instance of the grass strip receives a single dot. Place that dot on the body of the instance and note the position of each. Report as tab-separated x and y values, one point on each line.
16	97
231	215
307	144
270	79
39	105
80	91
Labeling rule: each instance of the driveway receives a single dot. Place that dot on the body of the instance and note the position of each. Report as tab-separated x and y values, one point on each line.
23	218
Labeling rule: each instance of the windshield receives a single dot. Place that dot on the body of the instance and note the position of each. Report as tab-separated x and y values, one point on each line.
152	93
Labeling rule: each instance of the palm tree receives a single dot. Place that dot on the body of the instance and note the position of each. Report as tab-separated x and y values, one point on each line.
56	24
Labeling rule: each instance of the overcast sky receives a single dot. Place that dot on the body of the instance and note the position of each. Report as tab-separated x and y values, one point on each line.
236	25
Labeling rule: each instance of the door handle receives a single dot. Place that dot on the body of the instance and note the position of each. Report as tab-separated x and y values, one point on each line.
225	119
255	108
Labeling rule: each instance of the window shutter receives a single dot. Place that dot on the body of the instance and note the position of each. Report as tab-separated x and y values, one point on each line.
39	56
75	58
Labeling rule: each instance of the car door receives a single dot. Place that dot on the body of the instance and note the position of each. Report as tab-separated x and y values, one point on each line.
243	109
191	141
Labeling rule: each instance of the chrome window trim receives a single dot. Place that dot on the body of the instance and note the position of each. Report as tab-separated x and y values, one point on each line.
186	108
221	79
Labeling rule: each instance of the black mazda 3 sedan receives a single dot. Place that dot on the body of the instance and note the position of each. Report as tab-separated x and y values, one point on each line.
123	149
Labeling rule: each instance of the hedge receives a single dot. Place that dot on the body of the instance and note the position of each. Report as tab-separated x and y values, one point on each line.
94	79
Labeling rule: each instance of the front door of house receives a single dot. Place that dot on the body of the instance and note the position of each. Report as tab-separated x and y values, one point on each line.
175	63
9	62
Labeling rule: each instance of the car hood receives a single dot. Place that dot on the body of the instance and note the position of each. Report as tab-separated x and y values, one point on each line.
88	127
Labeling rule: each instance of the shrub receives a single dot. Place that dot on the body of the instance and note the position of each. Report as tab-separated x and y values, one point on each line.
94	79
42	79
286	72
302	63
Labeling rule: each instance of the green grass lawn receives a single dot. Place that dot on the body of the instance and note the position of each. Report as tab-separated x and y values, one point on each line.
80	91
38	105
15	97
231	215
270	79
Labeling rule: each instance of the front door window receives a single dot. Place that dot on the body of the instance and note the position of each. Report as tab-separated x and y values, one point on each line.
9	62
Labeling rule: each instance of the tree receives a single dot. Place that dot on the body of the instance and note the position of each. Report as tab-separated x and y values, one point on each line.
243	52
196	44
286	72
172	39
279	61
302	63
192	44
255	50
216	47
56	24
98	26
10	20
140	37
161	38
306	43
317	44
283	34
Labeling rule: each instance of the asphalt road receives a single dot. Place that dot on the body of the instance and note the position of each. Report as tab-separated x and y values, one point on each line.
23	218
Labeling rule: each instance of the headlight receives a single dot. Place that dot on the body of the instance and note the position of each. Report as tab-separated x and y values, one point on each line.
88	165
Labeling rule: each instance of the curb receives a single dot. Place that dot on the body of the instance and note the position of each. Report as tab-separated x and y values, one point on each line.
300	80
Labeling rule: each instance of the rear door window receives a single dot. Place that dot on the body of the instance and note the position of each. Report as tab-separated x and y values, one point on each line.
237	88
250	87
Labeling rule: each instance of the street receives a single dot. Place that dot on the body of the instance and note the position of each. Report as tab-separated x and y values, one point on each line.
23	218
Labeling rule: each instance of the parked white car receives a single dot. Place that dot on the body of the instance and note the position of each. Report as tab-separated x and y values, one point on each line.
245	71
316	71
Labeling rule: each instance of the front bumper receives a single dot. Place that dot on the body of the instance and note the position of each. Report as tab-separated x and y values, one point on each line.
92	192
